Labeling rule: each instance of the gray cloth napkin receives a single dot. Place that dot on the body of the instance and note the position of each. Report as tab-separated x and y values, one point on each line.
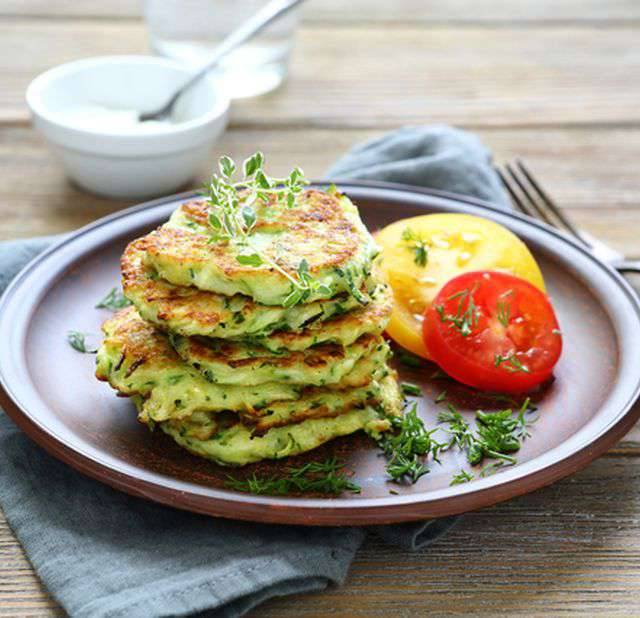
100	552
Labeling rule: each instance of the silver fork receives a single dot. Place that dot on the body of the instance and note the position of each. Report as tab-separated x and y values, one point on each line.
530	198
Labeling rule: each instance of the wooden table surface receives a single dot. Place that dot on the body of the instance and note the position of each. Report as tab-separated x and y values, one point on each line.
556	82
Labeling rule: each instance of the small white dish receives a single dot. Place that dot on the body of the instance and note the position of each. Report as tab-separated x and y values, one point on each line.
85	109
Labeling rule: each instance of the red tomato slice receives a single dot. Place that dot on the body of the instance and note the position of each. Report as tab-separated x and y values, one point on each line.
493	331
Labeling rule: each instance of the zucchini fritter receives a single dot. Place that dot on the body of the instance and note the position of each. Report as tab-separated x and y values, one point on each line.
188	311
137	359
230	362
324	229
230	442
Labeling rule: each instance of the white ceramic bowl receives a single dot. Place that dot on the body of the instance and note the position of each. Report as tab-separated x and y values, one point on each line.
136	161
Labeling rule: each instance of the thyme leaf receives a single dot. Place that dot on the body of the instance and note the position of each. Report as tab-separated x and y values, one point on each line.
233	216
77	340
114	300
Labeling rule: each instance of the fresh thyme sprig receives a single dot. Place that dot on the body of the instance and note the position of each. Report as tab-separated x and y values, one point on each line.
407	448
322	477
418	245
233	216
77	341
465	319
114	300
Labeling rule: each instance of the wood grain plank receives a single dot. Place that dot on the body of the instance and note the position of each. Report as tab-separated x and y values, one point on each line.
589	172
366	11
572	548
366	78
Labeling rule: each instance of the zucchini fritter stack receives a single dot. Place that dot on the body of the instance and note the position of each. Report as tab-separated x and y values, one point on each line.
214	352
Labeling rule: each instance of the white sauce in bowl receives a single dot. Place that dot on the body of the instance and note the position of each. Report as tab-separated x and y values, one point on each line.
108	119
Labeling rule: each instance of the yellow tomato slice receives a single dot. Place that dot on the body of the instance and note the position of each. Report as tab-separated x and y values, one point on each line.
454	244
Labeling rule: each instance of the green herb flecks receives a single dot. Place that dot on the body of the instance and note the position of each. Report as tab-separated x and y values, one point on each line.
114	300
321	477
497	435
441	397
233	216
494	437
77	341
417	245
408	447
409	360
466	317
510	362
526	417
411	389
460	433
493	467
461	477
438	374
503	313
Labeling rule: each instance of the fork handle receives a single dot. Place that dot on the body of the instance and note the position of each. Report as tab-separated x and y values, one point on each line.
627	266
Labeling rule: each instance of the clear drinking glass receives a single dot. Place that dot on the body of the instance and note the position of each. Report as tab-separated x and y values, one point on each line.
188	31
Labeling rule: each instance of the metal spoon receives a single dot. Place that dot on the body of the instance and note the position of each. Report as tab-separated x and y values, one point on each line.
265	16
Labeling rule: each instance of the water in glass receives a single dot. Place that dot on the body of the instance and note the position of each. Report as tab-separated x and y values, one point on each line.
188	30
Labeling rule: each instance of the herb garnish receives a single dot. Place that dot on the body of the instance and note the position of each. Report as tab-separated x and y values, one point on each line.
461	477
408	359
441	397
465	319
418	245
77	341
411	389
458	429
498	434
407	448
323	477
510	362
492	468
114	300
523	422
503	313
233	216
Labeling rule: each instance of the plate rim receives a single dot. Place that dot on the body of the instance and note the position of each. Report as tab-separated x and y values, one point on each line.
327	512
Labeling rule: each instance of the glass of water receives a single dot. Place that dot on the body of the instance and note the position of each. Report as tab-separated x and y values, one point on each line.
189	30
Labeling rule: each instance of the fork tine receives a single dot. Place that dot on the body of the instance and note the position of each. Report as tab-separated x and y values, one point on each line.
540	212
515	198
566	222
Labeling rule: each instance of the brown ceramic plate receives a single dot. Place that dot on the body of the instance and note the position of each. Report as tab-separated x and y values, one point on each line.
50	392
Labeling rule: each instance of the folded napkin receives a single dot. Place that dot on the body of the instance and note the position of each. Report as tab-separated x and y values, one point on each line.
100	552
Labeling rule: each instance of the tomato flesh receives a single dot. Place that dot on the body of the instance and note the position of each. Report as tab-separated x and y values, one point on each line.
493	331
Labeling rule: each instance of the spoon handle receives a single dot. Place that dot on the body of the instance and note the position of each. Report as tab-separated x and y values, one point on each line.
265	16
